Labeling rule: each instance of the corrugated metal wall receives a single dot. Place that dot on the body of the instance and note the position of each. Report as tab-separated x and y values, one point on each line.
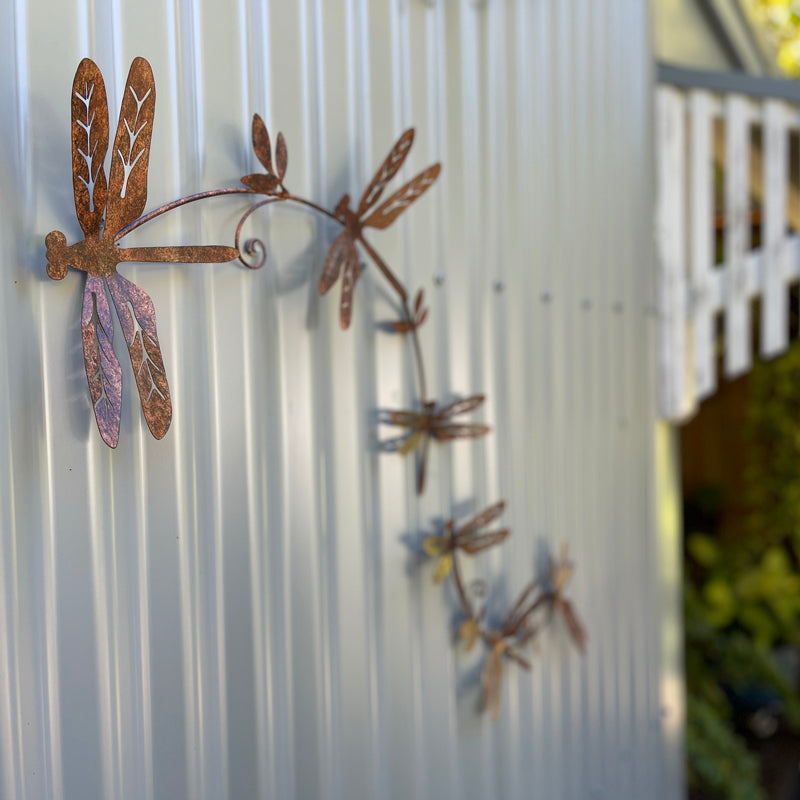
233	612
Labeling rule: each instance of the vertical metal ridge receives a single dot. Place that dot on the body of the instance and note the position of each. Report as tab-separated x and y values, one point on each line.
616	607
519	294
103	650
52	734
140	623
584	386
370	540
255	19
593	558
12	749
194	728
214	686
643	82
325	602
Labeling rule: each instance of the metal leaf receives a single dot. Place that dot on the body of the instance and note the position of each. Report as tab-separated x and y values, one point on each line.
261	145
281	156
386	172
263	184
138	321
103	371
89	146
388	212
127	180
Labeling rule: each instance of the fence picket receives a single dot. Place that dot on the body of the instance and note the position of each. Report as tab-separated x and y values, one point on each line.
676	393
738	356
701	251
775	308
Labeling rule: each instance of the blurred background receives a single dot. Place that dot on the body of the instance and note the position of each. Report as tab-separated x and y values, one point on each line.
740	457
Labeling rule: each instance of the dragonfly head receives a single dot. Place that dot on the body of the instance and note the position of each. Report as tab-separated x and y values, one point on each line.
56	244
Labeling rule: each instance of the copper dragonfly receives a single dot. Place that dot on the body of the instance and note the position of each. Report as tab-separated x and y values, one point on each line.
432	423
467	538
104	209
343	249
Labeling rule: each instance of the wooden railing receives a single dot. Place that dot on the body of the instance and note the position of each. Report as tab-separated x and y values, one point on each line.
723	154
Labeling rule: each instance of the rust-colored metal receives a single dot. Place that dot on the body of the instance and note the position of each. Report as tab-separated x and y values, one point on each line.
467	538
559	573
414	320
342	258
107	210
432	423
521	623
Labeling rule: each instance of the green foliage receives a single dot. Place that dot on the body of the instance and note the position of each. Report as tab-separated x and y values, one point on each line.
719	761
742	591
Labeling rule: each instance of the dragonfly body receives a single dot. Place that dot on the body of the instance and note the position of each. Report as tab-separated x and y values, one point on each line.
430	423
104	208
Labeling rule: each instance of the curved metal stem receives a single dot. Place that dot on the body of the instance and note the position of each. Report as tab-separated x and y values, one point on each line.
192	198
251	244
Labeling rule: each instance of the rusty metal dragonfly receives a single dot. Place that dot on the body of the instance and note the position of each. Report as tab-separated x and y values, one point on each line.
106	211
432	423
343	249
467	538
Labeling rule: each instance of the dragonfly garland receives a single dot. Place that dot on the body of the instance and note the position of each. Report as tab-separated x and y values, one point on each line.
110	208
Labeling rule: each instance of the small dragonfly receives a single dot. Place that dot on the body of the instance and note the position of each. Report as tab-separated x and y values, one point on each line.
514	633
104	209
467	538
432	423
343	249
559	573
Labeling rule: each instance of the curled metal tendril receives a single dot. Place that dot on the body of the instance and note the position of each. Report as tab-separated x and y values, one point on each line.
253	244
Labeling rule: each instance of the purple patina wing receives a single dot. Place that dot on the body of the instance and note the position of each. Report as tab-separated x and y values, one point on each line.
103	371
138	320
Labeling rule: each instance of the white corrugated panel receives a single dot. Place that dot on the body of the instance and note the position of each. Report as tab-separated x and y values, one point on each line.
233	612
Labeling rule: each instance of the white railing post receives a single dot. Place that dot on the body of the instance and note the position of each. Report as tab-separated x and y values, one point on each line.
676	393
702	240
775	307
738	357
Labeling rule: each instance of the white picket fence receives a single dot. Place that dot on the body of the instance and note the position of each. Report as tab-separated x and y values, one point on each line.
693	289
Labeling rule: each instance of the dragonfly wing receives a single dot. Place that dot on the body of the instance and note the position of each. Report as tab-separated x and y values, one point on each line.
333	263
89	146
138	320
388	211
127	179
483	541
103	371
467	431
386	172
349	277
461	406
408	419
491	683
483	518
412	442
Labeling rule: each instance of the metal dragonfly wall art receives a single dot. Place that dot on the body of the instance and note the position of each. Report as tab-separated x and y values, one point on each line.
108	209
